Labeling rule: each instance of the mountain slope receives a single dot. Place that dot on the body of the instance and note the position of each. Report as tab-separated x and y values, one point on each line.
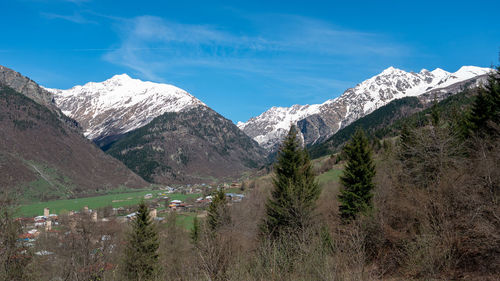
320	121
379	119
388	120
192	146
111	108
44	158
27	87
159	131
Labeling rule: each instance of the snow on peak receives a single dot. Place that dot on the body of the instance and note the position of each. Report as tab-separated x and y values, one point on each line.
392	83
123	76
390	70
283	117
120	77
438	72
120	104
275	123
471	71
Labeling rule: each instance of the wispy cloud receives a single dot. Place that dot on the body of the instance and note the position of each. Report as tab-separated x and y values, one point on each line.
75	17
286	50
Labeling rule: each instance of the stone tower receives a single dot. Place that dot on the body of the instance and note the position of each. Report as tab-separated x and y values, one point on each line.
152	214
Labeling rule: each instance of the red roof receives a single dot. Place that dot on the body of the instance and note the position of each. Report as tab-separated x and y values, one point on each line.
26	236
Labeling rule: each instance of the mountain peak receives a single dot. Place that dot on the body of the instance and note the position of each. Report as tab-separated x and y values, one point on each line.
119	79
439	72
390	70
25	86
474	69
121	104
123	76
320	121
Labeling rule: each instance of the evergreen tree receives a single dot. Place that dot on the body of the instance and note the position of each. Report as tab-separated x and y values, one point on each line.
357	178
218	213
141	252
195	232
435	113
485	110
293	200
406	141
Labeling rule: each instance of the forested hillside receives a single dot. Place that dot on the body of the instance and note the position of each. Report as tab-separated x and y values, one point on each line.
194	146
389	120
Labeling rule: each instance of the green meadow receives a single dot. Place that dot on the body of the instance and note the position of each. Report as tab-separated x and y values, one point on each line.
128	198
186	220
329	176
113	200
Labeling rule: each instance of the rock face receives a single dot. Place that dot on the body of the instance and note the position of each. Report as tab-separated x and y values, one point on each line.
159	131
43	154
318	122
27	87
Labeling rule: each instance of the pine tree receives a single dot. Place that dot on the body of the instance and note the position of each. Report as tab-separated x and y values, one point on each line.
357	178
406	141
293	200
195	231
218	213
435	113
485	109
141	252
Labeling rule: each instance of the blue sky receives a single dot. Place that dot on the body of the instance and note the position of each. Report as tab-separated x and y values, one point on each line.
242	57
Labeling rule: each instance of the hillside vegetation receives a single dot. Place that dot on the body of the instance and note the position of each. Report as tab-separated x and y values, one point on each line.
423	205
193	146
46	159
388	120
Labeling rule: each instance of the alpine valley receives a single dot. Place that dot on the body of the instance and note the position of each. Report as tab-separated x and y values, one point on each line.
159	133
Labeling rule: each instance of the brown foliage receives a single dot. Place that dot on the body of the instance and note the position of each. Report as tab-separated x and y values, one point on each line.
450	229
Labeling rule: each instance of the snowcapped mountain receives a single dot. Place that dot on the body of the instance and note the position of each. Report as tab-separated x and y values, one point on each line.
275	122
38	144
319	121
120	104
159	131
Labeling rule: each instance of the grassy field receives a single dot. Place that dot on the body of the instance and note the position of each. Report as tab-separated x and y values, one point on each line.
50	184
114	200
186	220
330	176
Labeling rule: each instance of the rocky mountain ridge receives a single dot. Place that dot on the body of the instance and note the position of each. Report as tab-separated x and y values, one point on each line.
317	122
27	87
